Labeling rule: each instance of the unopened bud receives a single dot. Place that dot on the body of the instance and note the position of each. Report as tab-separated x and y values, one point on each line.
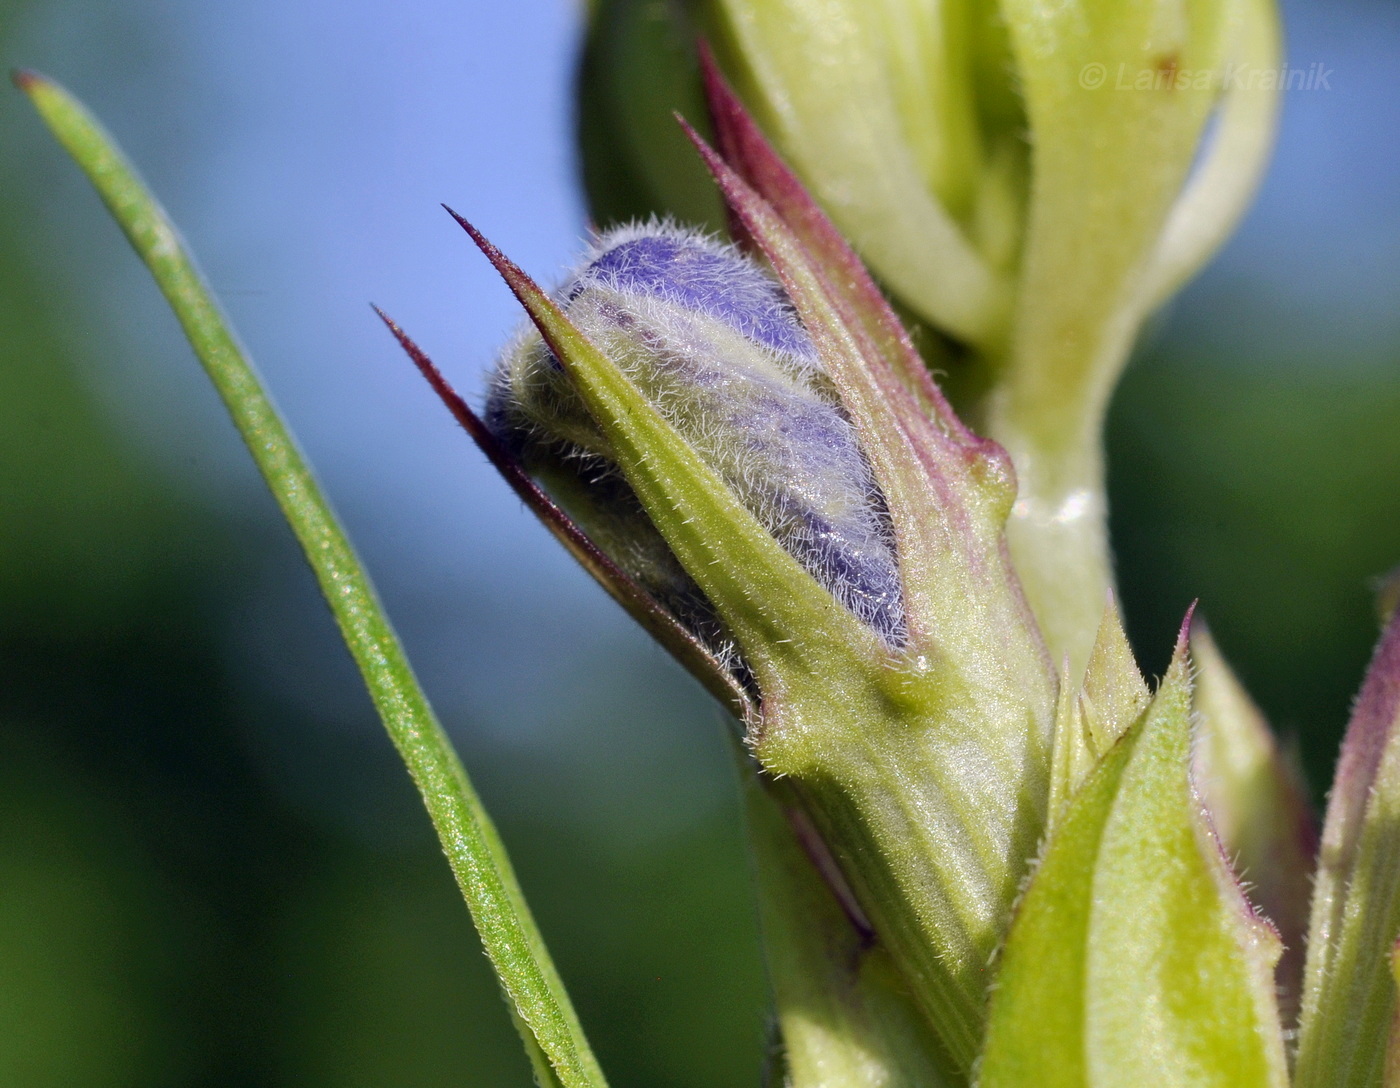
1029	179
713	342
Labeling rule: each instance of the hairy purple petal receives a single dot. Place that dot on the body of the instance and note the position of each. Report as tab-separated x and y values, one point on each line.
673	267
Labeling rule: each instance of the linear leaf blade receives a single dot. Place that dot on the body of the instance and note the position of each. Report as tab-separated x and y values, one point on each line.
474	850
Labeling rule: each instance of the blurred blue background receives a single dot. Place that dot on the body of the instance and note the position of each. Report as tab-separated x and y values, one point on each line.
212	869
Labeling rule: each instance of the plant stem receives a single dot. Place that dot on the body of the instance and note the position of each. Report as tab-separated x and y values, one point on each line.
1047	408
541	1006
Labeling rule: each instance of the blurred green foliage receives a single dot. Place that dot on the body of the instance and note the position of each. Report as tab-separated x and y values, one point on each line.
1269	488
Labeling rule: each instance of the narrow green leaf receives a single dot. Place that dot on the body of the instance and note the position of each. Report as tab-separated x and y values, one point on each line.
1349	997
1133	959
478	860
540	1067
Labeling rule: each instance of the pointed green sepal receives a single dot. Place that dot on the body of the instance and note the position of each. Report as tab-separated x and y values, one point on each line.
1073	754
928	777
699	659
1258	806
921	752
1090	721
1115	694
848	283
1349	997
1133	958
948	492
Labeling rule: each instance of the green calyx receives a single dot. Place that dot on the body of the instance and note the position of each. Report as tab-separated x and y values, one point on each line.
923	766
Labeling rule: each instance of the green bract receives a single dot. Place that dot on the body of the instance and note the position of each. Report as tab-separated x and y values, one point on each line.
1349	996
1134	959
1258	806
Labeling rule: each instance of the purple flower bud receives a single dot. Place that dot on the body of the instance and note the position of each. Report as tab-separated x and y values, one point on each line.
714	343
692	272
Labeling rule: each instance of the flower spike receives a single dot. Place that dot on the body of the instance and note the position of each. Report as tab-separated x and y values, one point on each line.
647	370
